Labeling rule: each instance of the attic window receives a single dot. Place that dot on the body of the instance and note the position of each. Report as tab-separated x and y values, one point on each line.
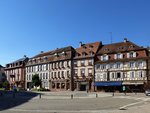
131	46
84	46
91	53
45	57
106	49
63	53
91	46
83	53
119	48
39	58
56	54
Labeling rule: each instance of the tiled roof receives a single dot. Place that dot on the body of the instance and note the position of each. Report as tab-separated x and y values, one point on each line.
87	49
118	47
53	52
19	60
51	56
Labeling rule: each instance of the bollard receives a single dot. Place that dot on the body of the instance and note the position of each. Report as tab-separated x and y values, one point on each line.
113	94
71	96
39	96
96	95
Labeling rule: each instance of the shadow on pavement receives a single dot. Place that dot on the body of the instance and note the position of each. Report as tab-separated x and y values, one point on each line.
10	99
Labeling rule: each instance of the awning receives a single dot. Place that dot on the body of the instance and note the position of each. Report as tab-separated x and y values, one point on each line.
133	83
108	83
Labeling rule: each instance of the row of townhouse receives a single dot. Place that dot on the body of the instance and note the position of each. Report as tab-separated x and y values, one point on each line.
92	66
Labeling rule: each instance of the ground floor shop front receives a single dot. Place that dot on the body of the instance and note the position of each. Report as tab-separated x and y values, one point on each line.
120	86
83	85
60	85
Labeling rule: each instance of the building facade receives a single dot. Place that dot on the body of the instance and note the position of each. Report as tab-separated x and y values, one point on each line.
15	72
83	66
119	65
2	74
54	69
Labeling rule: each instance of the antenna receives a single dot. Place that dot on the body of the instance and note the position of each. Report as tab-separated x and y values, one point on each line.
110	33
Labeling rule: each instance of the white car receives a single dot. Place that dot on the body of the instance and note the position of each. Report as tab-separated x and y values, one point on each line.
147	92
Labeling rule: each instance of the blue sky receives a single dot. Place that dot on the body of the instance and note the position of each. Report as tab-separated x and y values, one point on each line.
30	26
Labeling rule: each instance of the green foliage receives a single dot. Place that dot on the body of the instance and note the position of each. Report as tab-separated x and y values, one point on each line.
36	80
5	84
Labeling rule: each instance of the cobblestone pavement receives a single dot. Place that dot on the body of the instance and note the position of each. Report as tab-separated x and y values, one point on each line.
81	102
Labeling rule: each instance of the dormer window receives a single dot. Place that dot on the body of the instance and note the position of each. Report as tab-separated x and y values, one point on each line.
104	57
106	49
84	46
91	53
83	53
45	57
131	46
63	53
90	46
39	58
56	54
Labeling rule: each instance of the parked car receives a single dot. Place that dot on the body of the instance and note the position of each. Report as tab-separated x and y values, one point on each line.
147	92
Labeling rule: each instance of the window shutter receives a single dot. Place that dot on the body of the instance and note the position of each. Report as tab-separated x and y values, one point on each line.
101	58
107	57
115	56
134	54
144	63
127	55
121	55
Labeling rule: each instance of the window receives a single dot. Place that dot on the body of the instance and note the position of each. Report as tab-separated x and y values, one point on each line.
131	64
118	75
90	71
112	75
103	66
46	66
58	74
68	74
76	72
90	62
75	63
43	75
140	74
82	72
82	63
132	74
97	66
62	74
52	75
104	57
118	65
118	56
131	55
46	76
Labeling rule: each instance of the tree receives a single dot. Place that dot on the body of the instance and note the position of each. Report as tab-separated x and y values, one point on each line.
5	84
36	80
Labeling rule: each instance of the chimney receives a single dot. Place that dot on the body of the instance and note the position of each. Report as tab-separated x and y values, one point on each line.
125	40
101	43
80	44
24	56
42	51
